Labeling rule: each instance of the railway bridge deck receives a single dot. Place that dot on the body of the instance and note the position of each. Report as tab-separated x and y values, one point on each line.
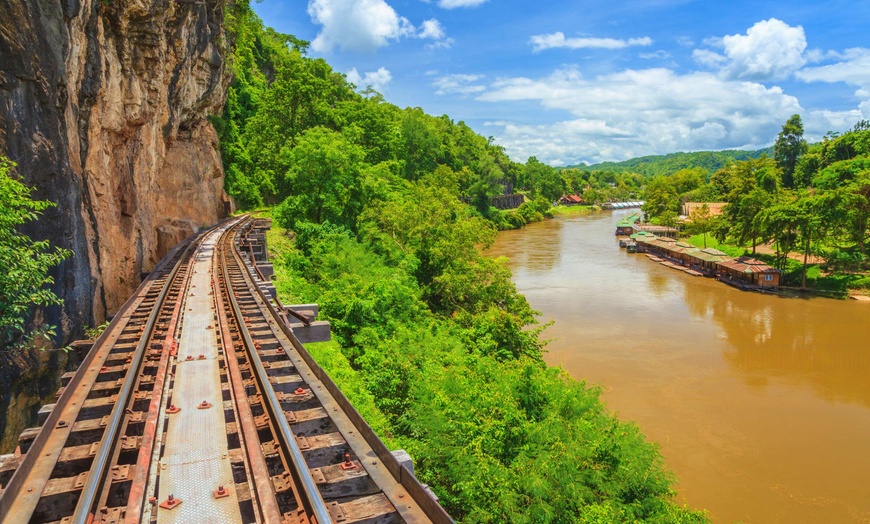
199	404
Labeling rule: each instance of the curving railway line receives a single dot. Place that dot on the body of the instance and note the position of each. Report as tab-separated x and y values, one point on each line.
199	404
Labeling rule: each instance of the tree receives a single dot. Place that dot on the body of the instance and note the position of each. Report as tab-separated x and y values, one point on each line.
323	179
700	219
752	187
24	263
420	146
796	224
541	179
660	198
789	147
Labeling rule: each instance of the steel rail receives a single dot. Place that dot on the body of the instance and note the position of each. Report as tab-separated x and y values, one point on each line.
99	465
150	435
262	495
309	487
398	471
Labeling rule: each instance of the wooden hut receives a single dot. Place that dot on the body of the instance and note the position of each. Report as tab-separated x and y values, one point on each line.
707	259
641	238
666	246
683	252
626	225
659	231
749	271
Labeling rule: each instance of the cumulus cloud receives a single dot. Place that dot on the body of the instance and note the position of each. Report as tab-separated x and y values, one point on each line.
852	68
459	84
640	112
359	25
558	40
366	25
431	29
708	58
377	80
770	50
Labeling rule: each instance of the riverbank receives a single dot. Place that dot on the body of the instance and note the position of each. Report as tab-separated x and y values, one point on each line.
760	405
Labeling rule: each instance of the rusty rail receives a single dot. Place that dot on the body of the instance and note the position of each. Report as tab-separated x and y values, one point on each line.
299	452
315	504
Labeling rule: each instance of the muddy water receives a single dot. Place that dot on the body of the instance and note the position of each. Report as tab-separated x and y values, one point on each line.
761	405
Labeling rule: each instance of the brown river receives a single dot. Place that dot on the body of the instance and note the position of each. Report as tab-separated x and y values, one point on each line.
760	404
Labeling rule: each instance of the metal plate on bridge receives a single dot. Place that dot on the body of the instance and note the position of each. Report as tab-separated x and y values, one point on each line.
195	459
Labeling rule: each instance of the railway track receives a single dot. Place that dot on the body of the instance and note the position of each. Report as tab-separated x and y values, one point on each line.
199	404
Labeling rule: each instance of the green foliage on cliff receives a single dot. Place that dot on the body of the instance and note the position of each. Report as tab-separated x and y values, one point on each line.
283	106
24	262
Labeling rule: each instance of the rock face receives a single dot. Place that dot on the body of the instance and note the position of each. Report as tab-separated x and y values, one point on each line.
103	105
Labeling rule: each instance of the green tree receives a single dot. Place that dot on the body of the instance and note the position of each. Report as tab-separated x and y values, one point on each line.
660	198
541	179
24	263
420	145
789	147
795	225
752	187
323	180
701	221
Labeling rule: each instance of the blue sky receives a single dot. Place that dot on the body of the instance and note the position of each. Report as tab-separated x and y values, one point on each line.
597	80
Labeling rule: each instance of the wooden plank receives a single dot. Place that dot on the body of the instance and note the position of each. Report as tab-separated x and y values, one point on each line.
323	450
335	482
375	509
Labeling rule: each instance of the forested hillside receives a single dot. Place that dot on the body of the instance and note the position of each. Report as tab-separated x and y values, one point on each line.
385	212
296	132
665	164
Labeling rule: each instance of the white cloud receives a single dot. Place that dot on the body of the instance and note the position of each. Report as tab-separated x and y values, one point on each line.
685	41
366	25
431	29
770	50
708	58
853	68
447	43
377	80
357	25
641	112
661	54
453	4
458	84
558	40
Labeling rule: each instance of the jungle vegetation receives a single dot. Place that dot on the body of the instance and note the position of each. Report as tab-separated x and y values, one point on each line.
381	216
24	262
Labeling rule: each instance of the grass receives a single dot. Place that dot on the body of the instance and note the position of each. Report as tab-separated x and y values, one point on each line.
731	251
572	210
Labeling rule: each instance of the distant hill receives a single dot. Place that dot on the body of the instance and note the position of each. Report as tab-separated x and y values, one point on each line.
667	164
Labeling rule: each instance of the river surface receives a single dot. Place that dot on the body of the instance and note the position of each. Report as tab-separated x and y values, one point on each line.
760	404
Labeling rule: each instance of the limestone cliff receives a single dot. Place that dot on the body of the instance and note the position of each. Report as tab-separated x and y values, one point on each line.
103	105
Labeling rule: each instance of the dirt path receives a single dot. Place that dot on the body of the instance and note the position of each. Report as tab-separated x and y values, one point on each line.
767	249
